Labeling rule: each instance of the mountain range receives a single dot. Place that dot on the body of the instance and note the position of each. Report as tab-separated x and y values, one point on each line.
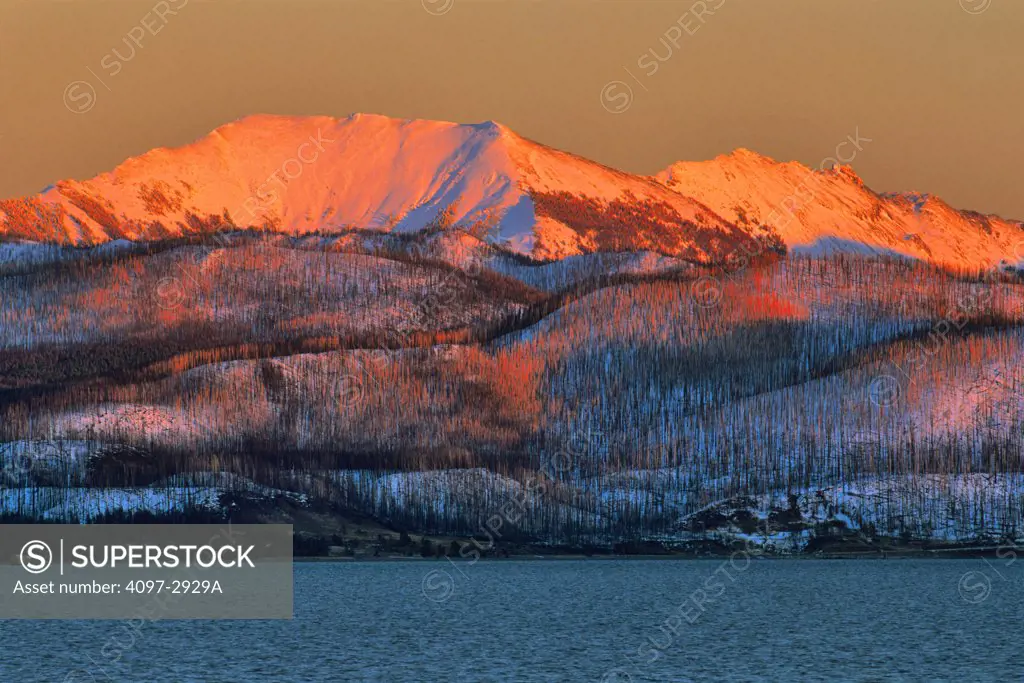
301	175
320	321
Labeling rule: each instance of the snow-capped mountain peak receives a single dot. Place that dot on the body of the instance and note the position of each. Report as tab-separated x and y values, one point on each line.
820	211
305	174
298	175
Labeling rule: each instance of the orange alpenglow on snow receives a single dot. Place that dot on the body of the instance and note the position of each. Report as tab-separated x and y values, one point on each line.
823	211
299	175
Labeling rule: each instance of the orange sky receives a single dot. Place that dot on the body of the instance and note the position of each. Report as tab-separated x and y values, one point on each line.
937	85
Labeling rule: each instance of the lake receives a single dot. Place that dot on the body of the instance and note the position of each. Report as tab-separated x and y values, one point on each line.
614	621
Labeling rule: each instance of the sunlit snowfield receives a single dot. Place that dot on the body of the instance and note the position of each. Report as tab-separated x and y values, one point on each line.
741	619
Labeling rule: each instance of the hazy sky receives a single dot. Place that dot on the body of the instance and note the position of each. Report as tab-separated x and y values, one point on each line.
936	85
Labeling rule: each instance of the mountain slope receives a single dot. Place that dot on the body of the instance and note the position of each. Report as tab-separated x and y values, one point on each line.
304	174
823	211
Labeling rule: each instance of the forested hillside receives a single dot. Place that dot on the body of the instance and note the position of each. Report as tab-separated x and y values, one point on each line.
432	381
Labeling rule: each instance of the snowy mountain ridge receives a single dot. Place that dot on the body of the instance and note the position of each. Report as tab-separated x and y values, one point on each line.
304	174
824	211
300	175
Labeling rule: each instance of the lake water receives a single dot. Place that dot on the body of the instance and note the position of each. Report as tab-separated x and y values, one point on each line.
567	620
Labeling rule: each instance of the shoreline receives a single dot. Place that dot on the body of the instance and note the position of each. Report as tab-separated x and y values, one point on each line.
968	553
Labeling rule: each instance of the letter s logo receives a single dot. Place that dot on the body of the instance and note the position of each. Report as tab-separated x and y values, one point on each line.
36	557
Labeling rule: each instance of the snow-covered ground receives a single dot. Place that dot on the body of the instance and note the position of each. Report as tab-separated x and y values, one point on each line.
21	255
148	297
177	494
939	508
86	504
50	456
562	274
